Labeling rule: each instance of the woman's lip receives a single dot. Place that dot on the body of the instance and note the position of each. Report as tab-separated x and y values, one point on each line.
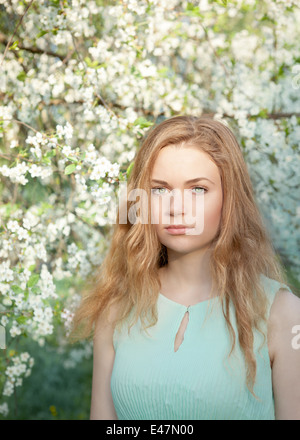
177	231
177	226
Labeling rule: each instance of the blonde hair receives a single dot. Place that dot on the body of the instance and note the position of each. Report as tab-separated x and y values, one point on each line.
242	249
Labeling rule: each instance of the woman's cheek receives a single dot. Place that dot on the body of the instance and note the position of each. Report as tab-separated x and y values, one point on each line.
212	214
155	212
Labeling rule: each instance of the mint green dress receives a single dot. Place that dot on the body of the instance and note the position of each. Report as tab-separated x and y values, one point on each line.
150	381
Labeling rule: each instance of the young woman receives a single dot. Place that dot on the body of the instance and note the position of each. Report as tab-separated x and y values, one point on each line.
194	321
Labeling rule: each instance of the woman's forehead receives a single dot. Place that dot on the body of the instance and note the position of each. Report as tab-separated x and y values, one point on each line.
183	163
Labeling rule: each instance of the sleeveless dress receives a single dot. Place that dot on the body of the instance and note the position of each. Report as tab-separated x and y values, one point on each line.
199	381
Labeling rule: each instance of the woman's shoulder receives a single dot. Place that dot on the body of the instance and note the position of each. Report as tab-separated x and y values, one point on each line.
285	309
283	324
278	294
284	305
282	317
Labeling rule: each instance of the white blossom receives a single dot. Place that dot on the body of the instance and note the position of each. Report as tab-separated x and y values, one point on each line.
148	60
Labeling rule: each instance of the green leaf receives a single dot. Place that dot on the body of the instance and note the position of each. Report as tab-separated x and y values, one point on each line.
129	169
70	168
21	76
14	46
163	71
121	176
33	280
142	122
193	11
21	319
41	34
222	2
51	153
16	289
263	113
91	64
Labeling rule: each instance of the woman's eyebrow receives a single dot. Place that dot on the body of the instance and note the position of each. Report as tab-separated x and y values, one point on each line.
197	179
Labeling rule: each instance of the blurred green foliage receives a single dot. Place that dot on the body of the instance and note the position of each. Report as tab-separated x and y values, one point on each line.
52	392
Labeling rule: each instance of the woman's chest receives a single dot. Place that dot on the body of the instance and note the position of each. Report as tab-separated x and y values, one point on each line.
200	380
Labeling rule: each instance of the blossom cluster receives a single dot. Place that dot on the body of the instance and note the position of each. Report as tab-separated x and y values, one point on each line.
30	305
21	367
81	85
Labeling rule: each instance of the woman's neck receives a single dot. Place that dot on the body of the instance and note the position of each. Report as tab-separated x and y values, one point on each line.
187	276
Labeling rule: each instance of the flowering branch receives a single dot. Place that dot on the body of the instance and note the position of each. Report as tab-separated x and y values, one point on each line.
34	50
15	30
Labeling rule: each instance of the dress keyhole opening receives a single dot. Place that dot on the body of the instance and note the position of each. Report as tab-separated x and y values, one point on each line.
180	333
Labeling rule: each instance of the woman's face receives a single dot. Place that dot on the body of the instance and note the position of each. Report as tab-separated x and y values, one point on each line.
176	166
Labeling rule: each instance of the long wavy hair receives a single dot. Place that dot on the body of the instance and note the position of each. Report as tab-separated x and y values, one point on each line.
242	249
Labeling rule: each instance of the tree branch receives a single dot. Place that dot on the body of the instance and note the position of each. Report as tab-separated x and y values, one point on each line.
16	28
34	50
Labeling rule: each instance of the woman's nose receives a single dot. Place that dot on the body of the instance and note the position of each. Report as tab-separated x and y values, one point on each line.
177	203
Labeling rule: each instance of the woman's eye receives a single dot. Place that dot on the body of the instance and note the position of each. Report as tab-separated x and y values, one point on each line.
202	190
157	191
162	190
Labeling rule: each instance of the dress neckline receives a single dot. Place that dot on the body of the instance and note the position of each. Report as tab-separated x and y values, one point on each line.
184	306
